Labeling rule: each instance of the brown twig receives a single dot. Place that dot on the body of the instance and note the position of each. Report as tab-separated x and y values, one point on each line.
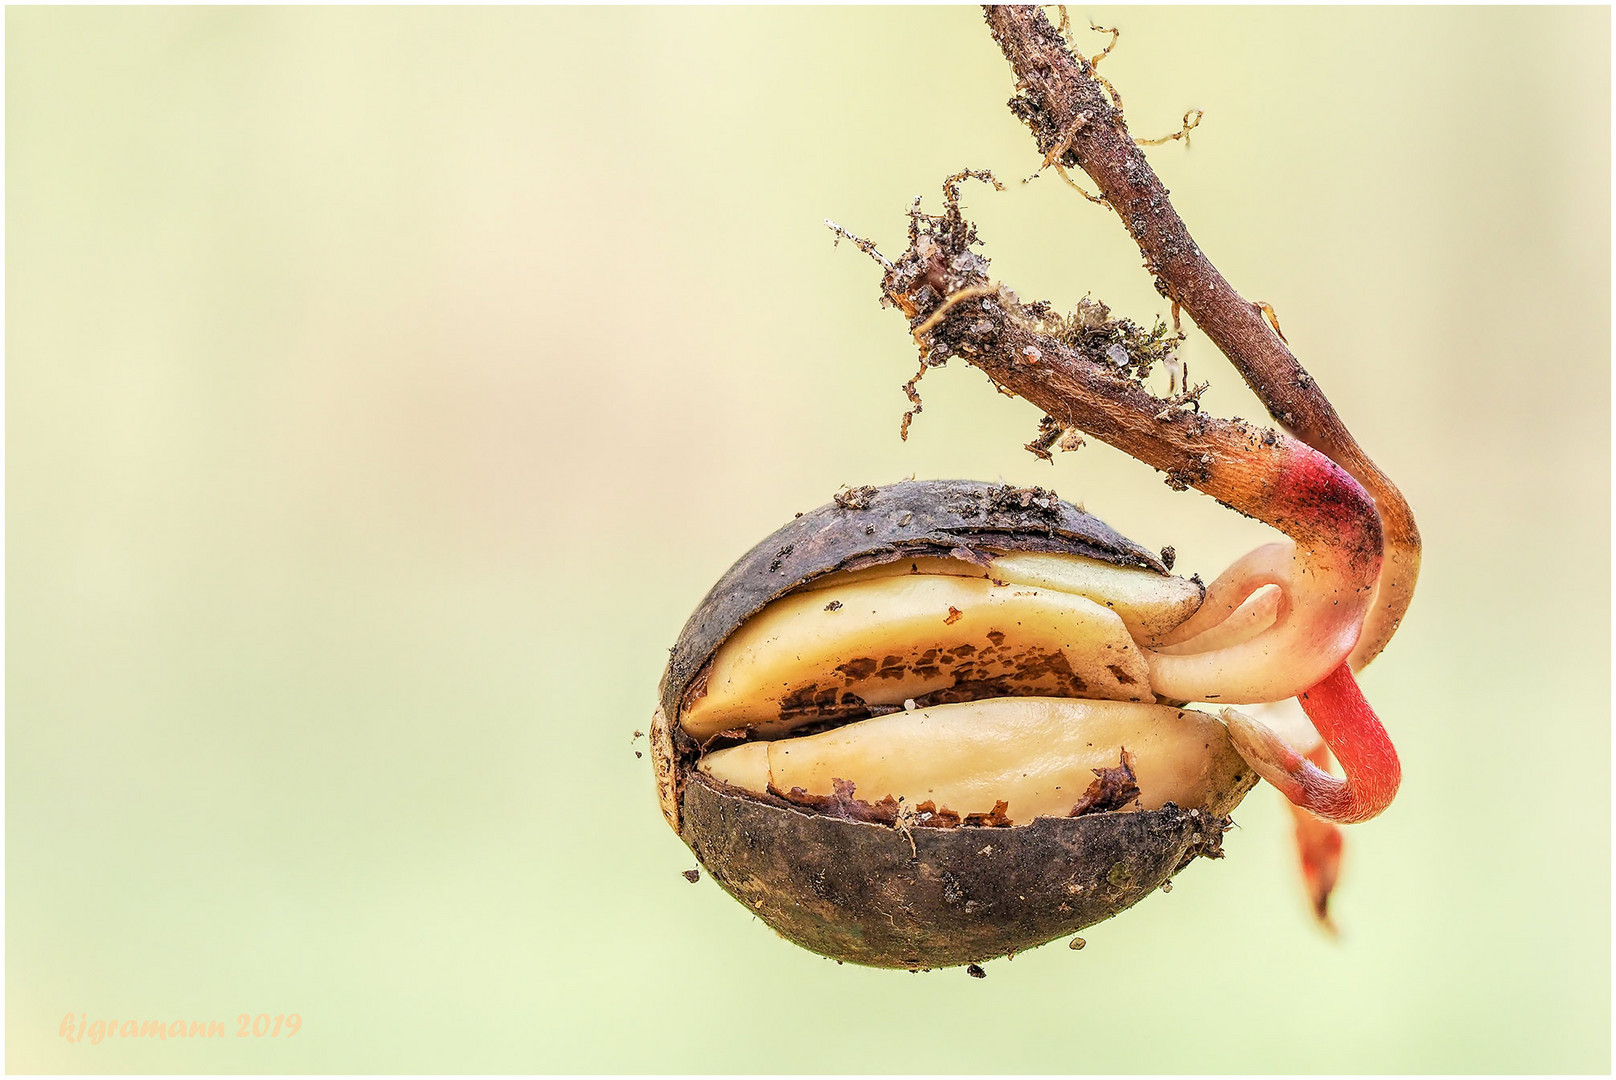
1055	88
1087	372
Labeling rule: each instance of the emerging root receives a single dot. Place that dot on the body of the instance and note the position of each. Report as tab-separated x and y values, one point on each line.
1094	65
951	186
1273	320
914	399
1192	120
866	246
1225	651
1353	733
1062	144
970	292
1094	61
1075	186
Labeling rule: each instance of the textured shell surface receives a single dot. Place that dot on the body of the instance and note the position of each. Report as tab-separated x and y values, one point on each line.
874	895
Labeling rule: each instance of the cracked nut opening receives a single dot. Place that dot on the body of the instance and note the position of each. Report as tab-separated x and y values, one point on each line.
917	728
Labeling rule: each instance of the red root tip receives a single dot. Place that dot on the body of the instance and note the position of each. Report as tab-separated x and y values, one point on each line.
1318	850
1354	735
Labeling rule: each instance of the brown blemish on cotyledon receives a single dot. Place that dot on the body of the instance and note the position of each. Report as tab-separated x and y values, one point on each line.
986	672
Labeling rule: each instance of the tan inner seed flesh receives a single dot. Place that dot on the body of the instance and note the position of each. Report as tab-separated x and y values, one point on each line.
1037	754
1016	681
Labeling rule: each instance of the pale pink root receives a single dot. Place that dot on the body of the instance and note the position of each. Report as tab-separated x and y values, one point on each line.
1261	610
1245	648
1230	591
1353	734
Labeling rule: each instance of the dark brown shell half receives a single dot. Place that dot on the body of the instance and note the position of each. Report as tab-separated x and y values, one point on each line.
859	892
916	518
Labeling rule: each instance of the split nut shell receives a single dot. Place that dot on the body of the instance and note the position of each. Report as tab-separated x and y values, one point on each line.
896	893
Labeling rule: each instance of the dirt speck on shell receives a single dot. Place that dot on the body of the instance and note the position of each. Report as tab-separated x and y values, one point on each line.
855	498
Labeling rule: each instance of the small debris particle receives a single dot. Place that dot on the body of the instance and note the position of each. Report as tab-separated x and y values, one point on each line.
780	557
1049	430
692	876
1168	557
1042	500
1076	944
1167	886
954	615
1114	789
975	971
834	605
997	818
909	705
638	754
988	851
904	519
869	530
855	498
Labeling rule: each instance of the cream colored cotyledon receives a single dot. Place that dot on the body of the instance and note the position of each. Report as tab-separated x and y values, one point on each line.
1067	635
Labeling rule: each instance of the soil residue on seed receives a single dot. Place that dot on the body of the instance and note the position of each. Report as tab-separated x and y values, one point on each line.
1114	789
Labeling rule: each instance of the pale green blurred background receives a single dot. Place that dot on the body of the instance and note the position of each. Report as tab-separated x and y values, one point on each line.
386	386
